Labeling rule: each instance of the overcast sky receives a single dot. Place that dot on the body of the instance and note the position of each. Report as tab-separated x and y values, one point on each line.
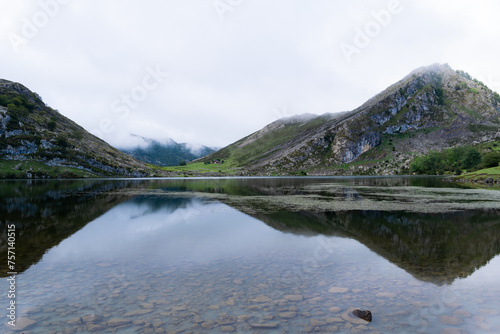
212	72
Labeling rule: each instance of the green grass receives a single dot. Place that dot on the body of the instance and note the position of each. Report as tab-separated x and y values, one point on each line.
200	167
471	113
259	148
266	144
486	171
12	169
481	174
489	146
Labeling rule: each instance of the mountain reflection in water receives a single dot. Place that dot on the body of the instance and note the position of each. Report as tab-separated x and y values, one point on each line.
437	247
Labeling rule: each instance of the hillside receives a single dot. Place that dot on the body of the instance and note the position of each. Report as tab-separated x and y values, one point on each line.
166	153
36	141
432	108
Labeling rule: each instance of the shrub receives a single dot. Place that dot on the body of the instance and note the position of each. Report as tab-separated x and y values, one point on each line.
440	95
496	97
464	74
51	125
62	141
491	159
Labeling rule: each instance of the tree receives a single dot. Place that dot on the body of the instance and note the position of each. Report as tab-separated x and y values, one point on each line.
452	160
471	158
428	164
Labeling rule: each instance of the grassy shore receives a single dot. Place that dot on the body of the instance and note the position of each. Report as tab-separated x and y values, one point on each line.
482	176
200	168
12	169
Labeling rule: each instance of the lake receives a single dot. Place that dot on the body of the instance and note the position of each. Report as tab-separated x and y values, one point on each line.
251	255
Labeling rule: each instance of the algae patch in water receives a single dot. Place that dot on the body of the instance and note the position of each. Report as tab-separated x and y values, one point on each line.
329	197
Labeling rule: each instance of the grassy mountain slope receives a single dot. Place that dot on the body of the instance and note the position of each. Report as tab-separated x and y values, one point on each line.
432	108
37	141
272	139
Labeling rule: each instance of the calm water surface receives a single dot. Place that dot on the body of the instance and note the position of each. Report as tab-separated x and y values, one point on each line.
218	255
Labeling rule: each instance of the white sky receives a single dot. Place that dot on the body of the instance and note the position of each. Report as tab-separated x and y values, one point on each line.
233	65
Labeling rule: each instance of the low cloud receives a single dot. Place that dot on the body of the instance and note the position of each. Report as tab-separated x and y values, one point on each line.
228	78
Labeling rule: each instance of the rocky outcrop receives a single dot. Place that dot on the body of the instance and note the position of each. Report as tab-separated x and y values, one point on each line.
365	315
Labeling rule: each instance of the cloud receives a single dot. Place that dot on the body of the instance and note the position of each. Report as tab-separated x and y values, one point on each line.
230	77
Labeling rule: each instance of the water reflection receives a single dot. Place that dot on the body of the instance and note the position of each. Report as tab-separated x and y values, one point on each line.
141	256
436	248
179	230
47	212
150	263
433	247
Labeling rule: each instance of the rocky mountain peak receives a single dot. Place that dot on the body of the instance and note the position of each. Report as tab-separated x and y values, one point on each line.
432	108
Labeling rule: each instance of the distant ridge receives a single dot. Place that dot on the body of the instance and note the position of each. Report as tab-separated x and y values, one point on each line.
166	152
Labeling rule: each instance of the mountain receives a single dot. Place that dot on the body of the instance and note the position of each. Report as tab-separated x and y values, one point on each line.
36	141
432	108
167	152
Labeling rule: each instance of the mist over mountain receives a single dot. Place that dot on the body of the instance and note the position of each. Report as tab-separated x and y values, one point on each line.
165	152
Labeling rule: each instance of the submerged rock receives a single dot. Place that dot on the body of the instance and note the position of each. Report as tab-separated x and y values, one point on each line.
91	318
294	298
265	325
208	324
386	295
454	331
77	320
262	299
226	320
137	312
316	323
335	309
227	329
451	320
115	322
23	323
94	327
287	315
